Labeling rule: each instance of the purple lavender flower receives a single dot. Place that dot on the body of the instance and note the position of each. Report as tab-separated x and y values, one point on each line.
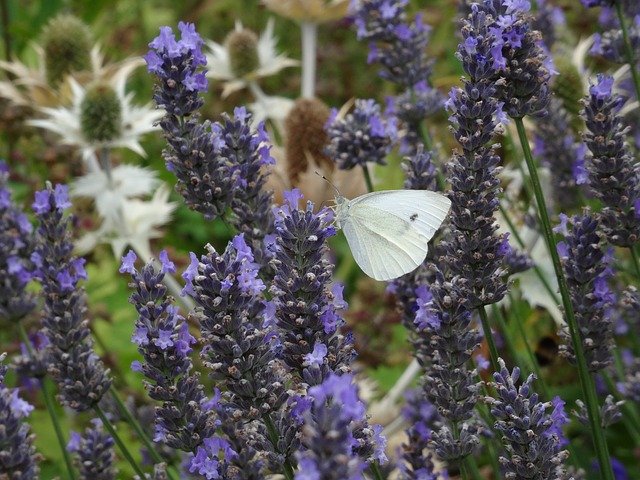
328	435
305	313
238	346
19	459
94	452
613	176
206	180
583	261
527	428
79	372
610	43
515	56
448	383
362	136
16	245
473	249
547	19
164	341
399	46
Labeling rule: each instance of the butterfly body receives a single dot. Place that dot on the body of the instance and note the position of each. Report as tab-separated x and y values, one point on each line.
388	231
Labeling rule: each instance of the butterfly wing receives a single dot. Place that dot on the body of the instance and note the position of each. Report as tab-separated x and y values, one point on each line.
424	209
388	231
383	246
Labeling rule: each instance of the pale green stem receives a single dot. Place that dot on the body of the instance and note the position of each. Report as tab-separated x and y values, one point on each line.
309	41
586	382
121	446
628	48
488	335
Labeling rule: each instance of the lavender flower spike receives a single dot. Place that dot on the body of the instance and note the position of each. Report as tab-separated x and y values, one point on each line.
239	345
205	180
79	372
16	244
94	451
587	274
306	307
528	430
613	176
362	136
163	339
18	457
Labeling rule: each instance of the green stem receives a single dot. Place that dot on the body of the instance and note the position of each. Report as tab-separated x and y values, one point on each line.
636	262
367	178
131	420
486	328
123	448
374	468
273	438
532	358
536	269
472	468
502	325
628	48
586	382
47	394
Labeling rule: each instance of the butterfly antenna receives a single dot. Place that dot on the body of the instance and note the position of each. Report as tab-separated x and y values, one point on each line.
329	182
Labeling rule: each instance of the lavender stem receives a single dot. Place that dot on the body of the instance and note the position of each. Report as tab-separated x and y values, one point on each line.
486	328
628	48
586	382
139	431
123	448
367	177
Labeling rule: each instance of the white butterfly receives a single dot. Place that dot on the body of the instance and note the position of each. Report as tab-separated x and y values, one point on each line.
388	231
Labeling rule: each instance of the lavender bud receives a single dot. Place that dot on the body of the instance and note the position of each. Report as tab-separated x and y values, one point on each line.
239	343
327	433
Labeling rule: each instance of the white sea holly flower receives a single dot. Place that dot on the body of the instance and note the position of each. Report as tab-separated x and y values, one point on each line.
136	223
130	121
110	192
275	108
243	58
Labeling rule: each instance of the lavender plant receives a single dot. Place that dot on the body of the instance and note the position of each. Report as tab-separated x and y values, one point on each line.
278	395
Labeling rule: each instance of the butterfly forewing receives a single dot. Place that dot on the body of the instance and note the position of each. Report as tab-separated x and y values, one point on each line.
383	245
425	210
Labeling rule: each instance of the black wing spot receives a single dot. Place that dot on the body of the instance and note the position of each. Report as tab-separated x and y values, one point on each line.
413	217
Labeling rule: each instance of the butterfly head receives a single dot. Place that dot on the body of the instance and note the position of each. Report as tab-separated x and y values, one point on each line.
342	210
